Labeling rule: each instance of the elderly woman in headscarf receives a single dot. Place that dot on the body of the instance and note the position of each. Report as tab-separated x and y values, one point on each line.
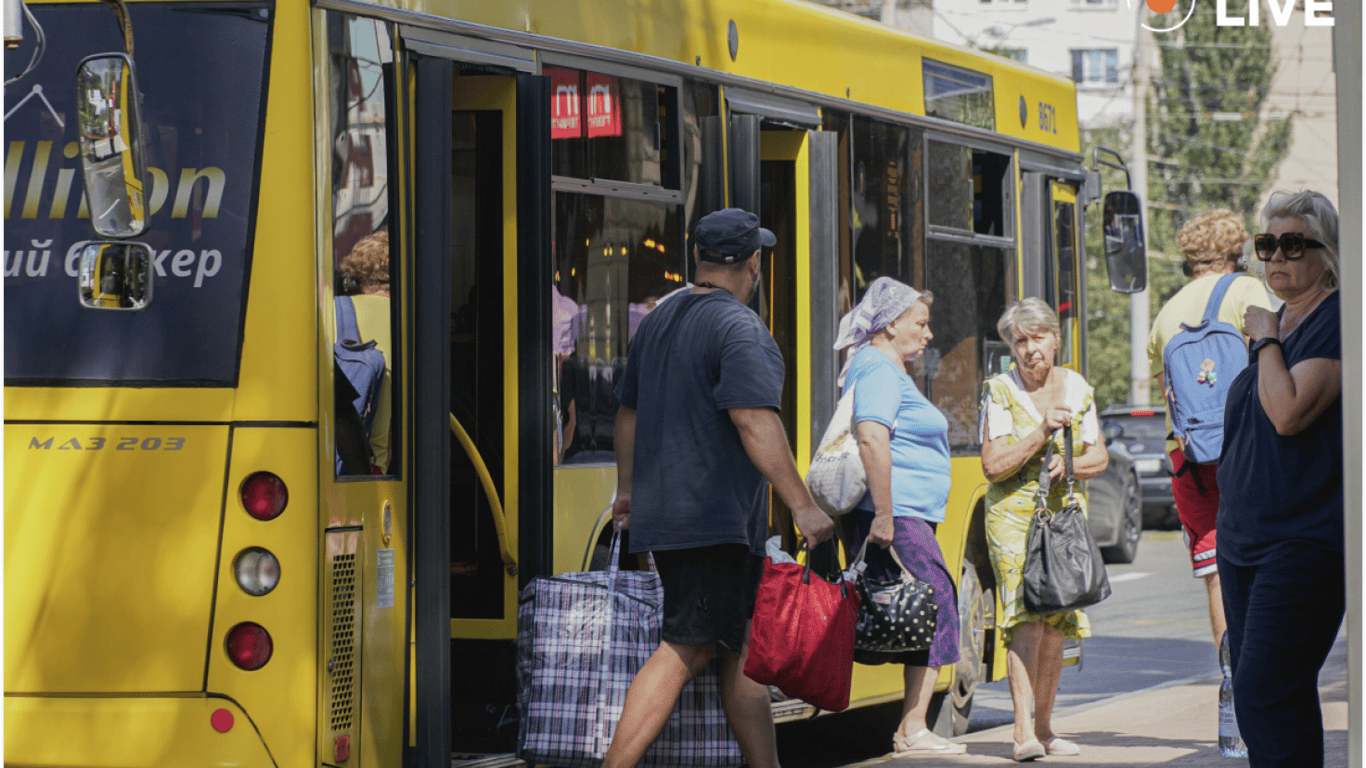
903	442
1023	411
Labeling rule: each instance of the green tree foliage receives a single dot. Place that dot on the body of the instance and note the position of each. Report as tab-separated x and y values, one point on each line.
1207	148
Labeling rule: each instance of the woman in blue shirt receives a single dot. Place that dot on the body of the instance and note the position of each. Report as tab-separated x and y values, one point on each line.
1280	476
903	442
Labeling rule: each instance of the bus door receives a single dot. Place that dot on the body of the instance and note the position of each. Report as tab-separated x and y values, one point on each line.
1052	235
363	616
786	173
1064	238
480	379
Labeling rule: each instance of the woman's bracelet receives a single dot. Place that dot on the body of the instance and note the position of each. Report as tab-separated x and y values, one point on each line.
1265	341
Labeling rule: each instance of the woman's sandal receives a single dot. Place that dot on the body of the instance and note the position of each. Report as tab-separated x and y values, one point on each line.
1030	750
1060	746
924	742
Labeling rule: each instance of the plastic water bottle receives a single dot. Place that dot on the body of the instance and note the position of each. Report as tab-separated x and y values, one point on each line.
1230	741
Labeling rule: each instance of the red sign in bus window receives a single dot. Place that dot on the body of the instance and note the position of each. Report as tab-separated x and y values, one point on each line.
565	106
604	106
574	114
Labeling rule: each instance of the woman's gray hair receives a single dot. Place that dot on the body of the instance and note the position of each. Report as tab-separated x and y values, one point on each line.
1319	217
1031	314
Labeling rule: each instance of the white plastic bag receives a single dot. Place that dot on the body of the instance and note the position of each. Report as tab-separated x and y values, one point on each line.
836	477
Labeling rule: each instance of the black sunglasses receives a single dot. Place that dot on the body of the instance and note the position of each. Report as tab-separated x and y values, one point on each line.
1292	244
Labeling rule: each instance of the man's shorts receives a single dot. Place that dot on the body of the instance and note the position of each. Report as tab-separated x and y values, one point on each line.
1197	509
709	594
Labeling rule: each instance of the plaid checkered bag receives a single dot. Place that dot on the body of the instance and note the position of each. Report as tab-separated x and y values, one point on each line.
581	639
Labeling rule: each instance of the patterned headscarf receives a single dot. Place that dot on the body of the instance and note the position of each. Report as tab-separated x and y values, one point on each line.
883	302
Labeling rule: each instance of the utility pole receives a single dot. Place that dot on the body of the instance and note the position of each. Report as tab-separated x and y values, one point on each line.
1139	376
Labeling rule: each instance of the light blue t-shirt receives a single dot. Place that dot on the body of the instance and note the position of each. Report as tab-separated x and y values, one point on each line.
920	442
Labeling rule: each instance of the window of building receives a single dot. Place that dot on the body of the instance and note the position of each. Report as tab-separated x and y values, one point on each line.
1095	66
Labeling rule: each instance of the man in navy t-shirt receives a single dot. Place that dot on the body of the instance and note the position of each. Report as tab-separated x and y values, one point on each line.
698	439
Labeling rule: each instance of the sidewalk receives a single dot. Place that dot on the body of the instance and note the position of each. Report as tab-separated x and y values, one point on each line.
1171	727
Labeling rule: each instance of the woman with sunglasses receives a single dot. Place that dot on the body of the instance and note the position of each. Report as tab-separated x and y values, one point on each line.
1280	479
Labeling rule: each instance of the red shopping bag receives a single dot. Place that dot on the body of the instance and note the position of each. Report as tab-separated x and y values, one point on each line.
802	635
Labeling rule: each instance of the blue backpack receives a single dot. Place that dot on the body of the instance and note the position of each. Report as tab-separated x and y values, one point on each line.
361	363
1199	364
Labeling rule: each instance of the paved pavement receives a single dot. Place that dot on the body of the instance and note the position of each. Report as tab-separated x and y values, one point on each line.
1170	726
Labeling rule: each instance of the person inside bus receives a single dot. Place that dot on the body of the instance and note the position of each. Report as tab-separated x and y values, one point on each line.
904	444
698	438
1023	410
1212	243
1281	562
366	269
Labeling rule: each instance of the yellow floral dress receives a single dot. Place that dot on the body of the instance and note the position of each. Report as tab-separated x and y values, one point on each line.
1010	502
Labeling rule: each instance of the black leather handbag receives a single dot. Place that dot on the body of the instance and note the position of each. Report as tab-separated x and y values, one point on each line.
894	616
1063	569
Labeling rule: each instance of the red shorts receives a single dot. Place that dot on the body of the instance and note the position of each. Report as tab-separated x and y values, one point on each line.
1197	510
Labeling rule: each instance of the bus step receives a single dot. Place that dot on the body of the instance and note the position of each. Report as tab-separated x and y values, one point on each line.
788	710
499	760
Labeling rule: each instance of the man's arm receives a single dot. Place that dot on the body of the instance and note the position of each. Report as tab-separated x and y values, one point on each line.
624	443
765	442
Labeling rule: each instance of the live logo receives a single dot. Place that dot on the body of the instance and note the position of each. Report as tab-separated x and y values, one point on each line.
1317	13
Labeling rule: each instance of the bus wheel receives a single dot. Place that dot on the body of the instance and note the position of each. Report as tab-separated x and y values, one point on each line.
951	710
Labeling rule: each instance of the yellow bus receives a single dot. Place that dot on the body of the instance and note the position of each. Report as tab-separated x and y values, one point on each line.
207	558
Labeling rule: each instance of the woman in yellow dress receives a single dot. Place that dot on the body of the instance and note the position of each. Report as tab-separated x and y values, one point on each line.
1022	410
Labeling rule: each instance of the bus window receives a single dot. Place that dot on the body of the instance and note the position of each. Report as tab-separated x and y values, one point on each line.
970	285
615	260
880	225
970	267
957	94
607	127
364	393
1065	251
949	186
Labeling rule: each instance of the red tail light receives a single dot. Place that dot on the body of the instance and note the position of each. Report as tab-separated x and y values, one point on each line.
249	646
1143	413
264	495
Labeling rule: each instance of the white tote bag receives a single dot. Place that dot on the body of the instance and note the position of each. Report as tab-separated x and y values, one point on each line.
836	477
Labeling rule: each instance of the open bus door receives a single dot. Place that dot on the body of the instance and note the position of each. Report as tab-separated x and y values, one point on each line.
787	172
481	387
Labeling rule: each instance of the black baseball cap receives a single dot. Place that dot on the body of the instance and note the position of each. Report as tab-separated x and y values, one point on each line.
730	235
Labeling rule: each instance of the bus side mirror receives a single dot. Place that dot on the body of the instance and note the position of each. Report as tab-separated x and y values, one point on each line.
115	276
1126	255
112	160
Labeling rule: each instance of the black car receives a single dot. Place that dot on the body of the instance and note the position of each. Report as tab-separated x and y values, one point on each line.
1142	430
1115	508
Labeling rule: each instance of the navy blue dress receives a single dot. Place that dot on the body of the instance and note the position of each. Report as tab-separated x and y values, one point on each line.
1281	569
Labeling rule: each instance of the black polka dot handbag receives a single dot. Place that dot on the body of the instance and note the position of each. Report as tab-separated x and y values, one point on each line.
894	616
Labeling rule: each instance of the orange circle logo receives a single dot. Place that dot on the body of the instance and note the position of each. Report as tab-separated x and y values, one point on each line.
1161	6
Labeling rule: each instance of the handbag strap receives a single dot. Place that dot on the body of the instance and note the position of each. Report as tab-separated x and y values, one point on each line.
806	567
1045	479
860	564
1067	456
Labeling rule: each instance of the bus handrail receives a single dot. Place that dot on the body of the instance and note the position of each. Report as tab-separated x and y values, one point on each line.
485	479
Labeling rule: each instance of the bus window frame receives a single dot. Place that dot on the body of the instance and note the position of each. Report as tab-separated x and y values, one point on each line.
394	103
1009	243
